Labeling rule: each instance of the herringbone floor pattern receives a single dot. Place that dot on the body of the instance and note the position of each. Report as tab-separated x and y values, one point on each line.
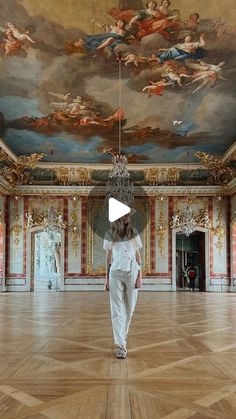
57	359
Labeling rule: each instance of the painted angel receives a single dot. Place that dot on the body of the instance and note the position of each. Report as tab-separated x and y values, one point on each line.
157	88
208	75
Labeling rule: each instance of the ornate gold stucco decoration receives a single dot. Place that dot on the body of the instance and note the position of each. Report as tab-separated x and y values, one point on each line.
162	227
16	172
74	227
219	171
73	176
220	230
39	211
162	176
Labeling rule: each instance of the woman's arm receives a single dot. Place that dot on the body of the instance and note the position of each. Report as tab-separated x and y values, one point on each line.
138	282
138	256
108	265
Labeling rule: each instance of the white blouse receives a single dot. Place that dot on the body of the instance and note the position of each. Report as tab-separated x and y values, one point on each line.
123	253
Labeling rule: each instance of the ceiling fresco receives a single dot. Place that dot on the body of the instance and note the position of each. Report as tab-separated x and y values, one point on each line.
59	79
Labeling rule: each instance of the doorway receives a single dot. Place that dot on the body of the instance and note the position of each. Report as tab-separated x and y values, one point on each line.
190	251
46	261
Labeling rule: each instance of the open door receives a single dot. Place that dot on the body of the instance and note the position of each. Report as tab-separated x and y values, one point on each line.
190	251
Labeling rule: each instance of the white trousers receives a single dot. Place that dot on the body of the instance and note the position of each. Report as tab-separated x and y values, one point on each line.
123	298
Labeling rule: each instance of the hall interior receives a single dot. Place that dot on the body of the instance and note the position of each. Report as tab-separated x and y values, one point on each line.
133	101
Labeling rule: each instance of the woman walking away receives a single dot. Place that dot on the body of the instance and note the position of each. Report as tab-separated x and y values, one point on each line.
123	277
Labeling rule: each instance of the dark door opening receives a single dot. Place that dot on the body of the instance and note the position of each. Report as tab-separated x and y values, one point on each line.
190	251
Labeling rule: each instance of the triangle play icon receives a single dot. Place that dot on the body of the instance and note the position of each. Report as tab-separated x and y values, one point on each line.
117	209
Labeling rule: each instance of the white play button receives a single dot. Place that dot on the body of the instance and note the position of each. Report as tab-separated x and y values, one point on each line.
117	209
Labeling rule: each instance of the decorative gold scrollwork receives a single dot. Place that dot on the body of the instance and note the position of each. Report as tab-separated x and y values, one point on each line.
74	227
16	172
162	226
220	230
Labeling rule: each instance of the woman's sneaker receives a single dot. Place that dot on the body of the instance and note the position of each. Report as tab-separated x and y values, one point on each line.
121	353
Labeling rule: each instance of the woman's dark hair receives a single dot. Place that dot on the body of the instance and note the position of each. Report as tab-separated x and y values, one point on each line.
119	231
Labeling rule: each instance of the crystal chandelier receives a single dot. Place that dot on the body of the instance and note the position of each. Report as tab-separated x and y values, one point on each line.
119	185
187	220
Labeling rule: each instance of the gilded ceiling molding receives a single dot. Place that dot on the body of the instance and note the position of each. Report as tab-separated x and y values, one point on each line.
157	176
16	172
219	171
73	176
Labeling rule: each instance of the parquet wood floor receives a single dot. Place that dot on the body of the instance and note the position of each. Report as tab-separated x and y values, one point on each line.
57	359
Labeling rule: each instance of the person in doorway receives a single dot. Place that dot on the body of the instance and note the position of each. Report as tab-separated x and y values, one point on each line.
192	276
123	278
185	277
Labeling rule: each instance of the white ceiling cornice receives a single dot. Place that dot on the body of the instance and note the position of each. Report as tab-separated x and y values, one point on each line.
7	149
101	190
231	150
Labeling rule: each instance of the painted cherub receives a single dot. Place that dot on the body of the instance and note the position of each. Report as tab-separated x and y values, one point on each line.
23	37
191	23
11	45
157	88
173	75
